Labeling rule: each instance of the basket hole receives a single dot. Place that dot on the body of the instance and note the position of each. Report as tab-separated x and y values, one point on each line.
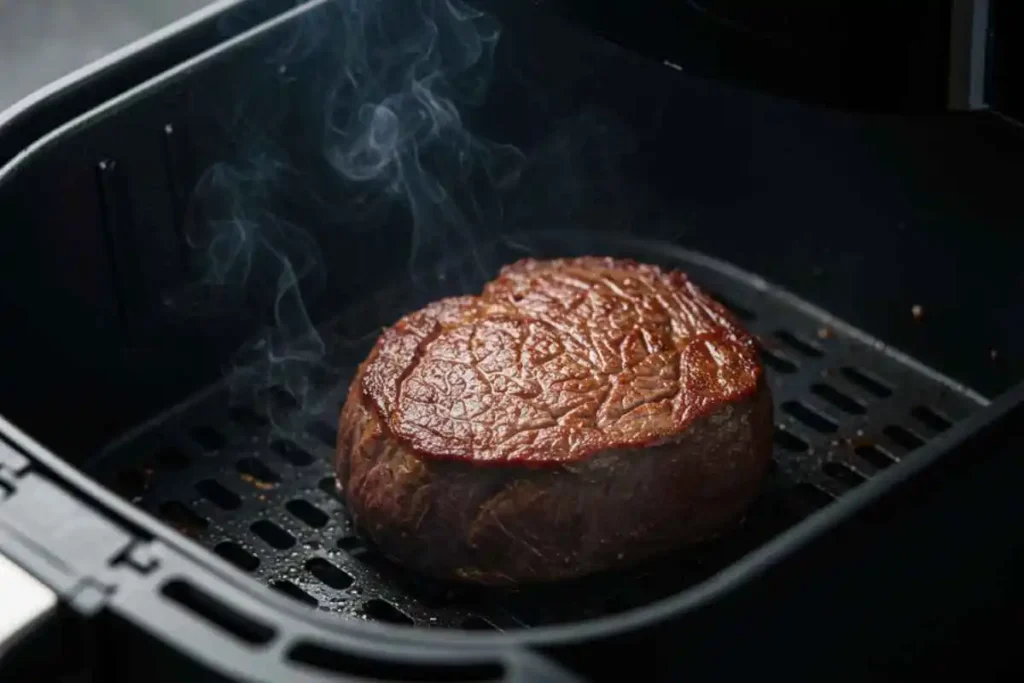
837	398
274	535
842	474
217	613
811	495
218	494
382	611
328	574
329	486
364	667
867	382
875	456
246	417
741	312
280	397
256	473
307	512
790	441
777	362
237	555
171	458
292	453
293	591
349	543
183	519
904	437
475	623
129	483
208	438
810	417
931	418
373	559
804	347
324	432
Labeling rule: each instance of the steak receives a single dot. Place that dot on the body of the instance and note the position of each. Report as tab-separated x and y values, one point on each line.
579	415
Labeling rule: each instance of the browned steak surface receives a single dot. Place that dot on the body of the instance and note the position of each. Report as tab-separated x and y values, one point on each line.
578	415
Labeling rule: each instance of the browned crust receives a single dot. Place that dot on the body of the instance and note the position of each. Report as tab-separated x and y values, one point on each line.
557	361
593	487
457	521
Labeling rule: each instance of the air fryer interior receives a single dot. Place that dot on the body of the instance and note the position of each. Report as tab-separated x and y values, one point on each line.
152	283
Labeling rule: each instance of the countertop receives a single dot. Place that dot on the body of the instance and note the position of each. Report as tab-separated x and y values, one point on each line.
43	40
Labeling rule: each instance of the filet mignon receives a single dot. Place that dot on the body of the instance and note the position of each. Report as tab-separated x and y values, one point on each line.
580	415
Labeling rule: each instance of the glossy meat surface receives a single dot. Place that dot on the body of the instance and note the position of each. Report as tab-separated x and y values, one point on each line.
558	360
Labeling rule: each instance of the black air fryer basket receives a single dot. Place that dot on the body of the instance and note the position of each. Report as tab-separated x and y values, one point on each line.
193	268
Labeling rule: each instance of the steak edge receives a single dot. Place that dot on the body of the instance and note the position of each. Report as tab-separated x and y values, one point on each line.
577	416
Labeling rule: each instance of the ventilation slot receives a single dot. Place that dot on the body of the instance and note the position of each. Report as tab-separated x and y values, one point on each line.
292	453
904	437
867	382
183	519
811	495
789	441
256	473
777	362
278	397
273	534
308	513
349	543
740	312
294	592
842	474
208	438
931	418
329	486
217	613
237	555
810	417
838	399
374	560
805	348
217	494
382	611
171	458
390	670
328	574
325	433
875	456
247	417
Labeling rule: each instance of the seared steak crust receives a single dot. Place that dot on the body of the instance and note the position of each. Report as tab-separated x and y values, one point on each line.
581	414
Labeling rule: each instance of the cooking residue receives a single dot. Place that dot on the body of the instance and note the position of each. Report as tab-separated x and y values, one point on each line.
257	482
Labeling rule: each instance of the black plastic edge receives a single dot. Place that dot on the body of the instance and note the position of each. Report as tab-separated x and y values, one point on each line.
98	563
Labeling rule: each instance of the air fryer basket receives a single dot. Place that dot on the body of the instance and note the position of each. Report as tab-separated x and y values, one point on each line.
847	408
858	219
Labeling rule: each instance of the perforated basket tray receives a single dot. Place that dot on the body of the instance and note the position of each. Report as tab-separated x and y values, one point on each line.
847	407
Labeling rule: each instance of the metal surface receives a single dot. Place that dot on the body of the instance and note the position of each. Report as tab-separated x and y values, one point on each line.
25	603
263	497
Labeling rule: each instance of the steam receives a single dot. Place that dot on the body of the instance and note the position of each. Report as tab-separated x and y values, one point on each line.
385	103
355	125
393	121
